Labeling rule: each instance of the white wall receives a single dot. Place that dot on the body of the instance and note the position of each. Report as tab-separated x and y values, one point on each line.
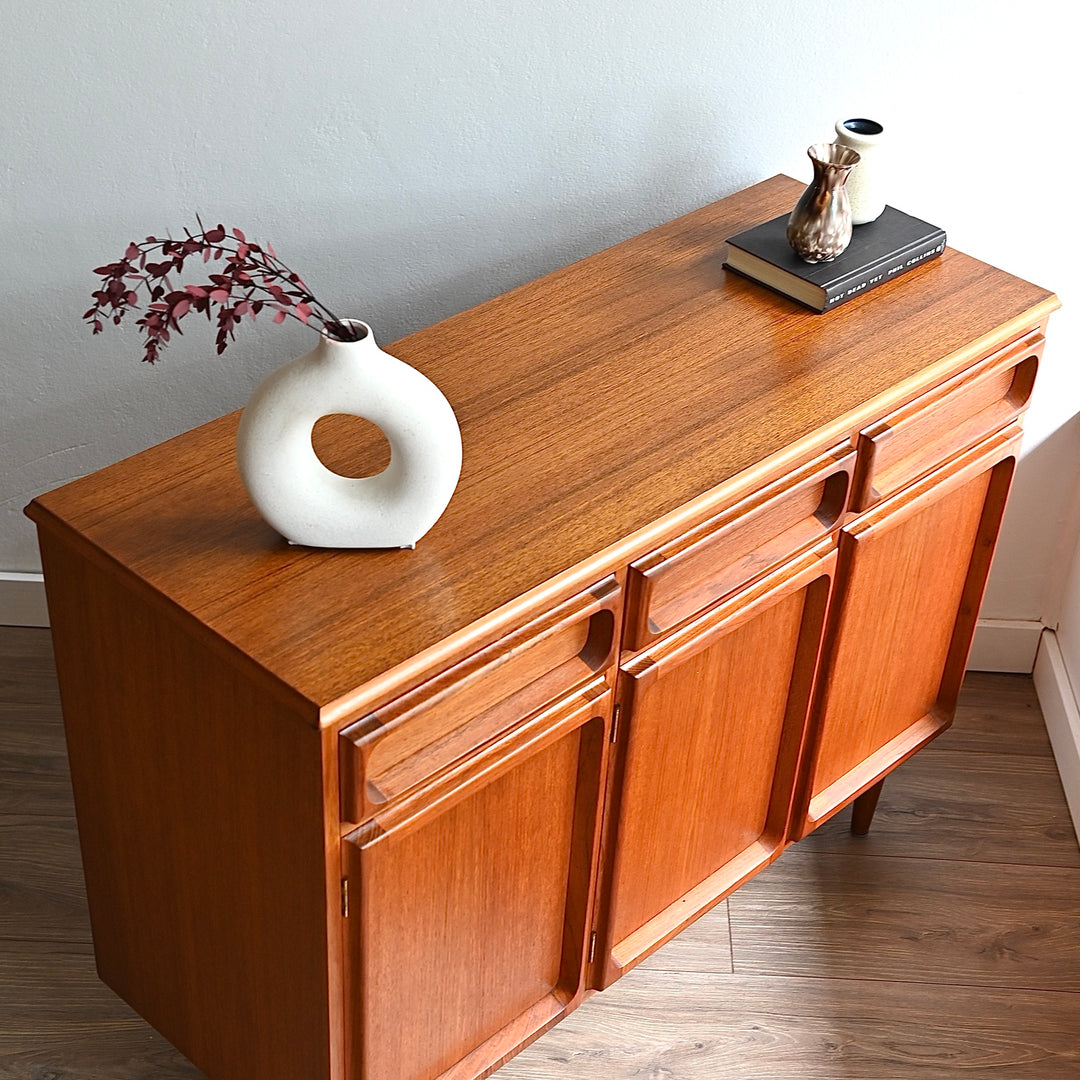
412	157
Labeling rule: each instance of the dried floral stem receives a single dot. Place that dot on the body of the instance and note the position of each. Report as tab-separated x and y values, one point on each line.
253	278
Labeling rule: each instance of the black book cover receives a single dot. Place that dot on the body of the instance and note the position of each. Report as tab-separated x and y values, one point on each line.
879	251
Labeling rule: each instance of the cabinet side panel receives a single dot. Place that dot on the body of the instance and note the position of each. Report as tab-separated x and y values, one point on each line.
199	804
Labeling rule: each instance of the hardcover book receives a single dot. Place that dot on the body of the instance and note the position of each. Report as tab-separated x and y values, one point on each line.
879	251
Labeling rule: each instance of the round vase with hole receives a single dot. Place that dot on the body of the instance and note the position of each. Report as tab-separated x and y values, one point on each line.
310	504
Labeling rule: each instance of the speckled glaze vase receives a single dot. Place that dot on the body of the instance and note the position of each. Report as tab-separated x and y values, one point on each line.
820	225
868	180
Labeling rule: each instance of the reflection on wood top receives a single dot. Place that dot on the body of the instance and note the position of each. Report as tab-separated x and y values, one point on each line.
592	402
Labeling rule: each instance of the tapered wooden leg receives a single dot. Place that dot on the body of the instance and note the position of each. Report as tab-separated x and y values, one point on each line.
862	812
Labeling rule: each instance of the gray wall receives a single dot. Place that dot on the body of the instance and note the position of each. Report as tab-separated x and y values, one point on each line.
413	157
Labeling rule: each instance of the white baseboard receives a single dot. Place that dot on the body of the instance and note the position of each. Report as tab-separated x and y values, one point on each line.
1062	715
22	600
1005	645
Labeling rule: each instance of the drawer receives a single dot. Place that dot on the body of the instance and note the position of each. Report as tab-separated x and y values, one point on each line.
394	749
688	574
926	433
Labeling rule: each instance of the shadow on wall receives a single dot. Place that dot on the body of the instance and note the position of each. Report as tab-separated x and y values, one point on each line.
1040	530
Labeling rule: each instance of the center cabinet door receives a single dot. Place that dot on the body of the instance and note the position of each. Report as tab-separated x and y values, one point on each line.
466	933
710	725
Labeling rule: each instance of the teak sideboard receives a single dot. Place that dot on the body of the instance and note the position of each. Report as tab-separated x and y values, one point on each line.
711	572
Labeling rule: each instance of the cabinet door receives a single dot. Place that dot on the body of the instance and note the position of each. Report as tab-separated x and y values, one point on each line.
467	903
909	582
710	724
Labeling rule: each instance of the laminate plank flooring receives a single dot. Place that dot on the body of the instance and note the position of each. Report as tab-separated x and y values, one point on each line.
947	942
58	1021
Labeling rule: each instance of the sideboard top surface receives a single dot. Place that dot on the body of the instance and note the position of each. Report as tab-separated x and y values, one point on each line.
592	402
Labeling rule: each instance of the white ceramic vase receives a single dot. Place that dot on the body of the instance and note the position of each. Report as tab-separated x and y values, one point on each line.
308	503
868	180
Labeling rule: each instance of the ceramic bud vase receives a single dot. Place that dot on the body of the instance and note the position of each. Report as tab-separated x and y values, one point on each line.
820	225
865	186
308	503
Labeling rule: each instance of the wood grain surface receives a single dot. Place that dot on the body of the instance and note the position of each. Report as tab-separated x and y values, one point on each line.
202	844
999	713
949	924
985	807
593	402
706	771
690	1026
681	1013
911	575
469	918
606	410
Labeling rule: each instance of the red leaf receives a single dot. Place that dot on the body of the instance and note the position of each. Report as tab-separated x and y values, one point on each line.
303	312
197	290
181	308
219	295
206	255
132	251
270	251
132	297
239	235
279	315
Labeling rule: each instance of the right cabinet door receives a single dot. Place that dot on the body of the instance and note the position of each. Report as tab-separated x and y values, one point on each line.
910	580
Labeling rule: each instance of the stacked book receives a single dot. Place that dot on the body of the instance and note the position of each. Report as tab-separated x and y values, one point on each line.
879	251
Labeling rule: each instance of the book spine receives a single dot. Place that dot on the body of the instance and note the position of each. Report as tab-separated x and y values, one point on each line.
885	270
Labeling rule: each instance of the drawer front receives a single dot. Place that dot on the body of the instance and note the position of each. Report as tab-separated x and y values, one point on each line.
391	751
684	577
924	434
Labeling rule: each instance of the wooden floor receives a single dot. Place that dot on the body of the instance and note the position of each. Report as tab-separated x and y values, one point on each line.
945	943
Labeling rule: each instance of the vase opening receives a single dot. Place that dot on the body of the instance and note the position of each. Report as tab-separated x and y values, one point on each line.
833	154
347	330
860	126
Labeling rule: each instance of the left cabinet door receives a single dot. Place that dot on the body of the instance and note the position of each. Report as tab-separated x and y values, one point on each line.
466	933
